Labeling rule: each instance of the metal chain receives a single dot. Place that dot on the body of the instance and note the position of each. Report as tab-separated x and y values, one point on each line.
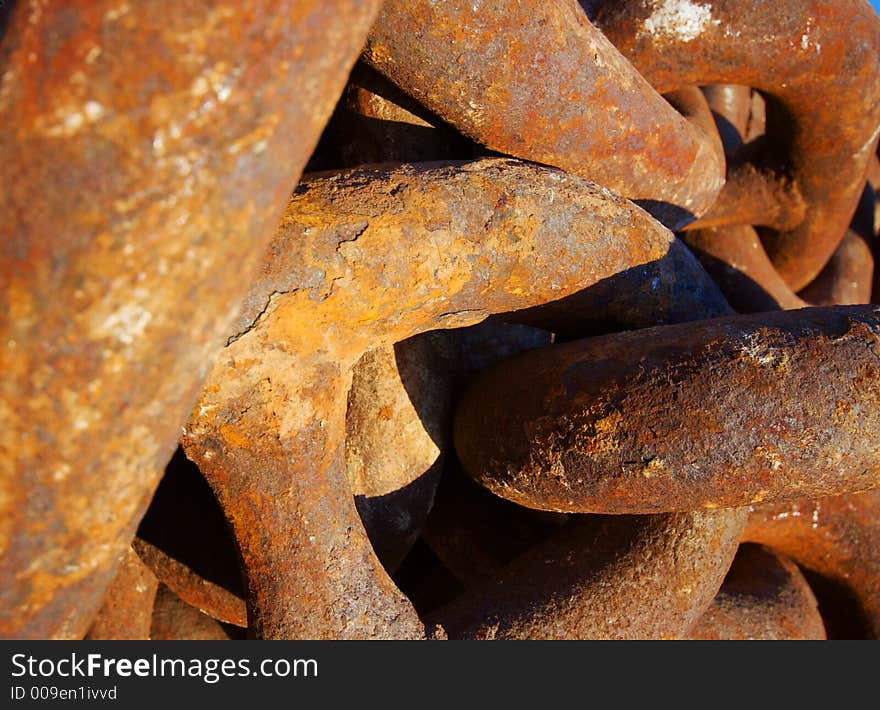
563	332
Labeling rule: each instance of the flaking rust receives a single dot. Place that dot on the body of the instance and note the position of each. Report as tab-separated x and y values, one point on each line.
475	65
632	577
365	258
147	152
813	59
723	412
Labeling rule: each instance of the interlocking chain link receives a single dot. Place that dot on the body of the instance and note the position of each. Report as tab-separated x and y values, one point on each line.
465	382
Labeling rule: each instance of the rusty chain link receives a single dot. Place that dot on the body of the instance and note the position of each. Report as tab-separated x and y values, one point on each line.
563	329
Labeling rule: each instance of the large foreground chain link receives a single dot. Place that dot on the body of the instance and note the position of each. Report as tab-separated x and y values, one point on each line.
479	319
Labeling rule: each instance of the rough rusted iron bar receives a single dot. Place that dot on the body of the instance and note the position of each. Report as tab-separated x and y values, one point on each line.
477	535
396	428
127	610
175	620
742	110
764	597
811	58
365	258
755	196
848	276
604	577
193	588
534	79
147	152
185	540
742	107
735	258
690	103
599	597
723	412
731	105
468	527
471	531
399	404
836	537
751	196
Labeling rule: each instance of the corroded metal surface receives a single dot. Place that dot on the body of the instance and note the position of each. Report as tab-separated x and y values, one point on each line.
730	249
673	289
731	106
376	122
395	430
127	610
752	195
813	58
590	114
690	102
755	196
175	620
471	531
398	424
764	597
736	259
478	539
315	493
195	589
836	537
365	258
147	151
665	571
723	412
848	276
185	540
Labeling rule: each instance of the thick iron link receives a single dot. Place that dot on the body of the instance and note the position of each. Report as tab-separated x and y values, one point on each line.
471	386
